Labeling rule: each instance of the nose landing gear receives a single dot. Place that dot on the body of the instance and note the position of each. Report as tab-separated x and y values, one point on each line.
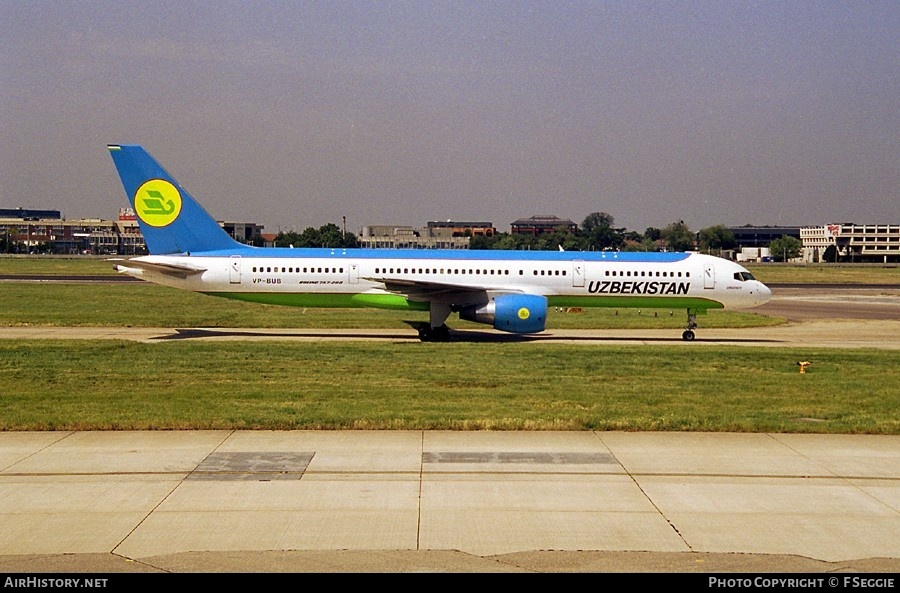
688	335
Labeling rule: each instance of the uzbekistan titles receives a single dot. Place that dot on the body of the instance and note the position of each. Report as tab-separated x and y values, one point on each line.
649	287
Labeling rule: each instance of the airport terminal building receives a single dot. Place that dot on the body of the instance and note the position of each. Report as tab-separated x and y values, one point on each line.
874	243
45	231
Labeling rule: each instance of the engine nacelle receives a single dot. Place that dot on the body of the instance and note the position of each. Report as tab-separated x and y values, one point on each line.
516	313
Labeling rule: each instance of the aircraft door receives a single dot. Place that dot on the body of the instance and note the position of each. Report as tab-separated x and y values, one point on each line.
354	274
577	273
234	269
709	276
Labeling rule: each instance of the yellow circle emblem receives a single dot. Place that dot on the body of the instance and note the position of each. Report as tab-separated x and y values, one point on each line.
157	202
524	313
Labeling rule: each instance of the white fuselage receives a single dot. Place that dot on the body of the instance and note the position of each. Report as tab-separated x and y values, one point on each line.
594	282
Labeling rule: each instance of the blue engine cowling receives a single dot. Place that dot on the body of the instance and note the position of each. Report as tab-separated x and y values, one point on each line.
516	313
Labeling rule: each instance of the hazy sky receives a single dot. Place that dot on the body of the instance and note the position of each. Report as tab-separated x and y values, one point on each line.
295	114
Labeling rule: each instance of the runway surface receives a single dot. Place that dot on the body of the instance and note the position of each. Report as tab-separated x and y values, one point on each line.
436	501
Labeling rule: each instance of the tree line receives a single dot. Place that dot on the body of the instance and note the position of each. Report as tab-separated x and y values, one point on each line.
596	233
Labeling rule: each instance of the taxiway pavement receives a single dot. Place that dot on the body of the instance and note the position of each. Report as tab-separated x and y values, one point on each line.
436	501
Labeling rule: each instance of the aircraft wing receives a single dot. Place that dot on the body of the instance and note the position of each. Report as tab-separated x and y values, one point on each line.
449	293
136	267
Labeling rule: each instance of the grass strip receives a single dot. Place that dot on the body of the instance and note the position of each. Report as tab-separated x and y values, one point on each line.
111	385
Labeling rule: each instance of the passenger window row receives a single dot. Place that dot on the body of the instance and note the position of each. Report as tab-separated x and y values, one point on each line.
292	270
472	271
645	273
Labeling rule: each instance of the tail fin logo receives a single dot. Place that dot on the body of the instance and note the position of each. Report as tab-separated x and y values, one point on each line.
157	202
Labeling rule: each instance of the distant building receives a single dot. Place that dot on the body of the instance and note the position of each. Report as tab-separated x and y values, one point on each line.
242	231
130	238
761	236
753	254
55	235
461	229
853	242
538	225
406	237
45	231
29	214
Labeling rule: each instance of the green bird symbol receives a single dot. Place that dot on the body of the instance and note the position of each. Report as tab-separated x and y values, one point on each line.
154	205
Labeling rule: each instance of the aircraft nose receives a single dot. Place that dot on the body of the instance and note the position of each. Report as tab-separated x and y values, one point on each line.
763	294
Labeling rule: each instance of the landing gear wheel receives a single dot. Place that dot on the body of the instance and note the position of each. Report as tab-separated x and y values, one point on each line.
434	334
688	335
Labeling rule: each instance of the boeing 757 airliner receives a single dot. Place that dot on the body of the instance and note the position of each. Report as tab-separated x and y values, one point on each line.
509	290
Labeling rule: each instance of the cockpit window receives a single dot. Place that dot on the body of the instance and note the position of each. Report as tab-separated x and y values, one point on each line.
743	276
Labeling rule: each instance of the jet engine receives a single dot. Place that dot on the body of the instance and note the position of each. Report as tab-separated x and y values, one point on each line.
515	313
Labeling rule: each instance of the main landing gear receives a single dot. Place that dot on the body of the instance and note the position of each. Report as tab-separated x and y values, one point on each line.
436	330
434	334
688	335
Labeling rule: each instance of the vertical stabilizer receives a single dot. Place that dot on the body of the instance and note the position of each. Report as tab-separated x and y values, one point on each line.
169	218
